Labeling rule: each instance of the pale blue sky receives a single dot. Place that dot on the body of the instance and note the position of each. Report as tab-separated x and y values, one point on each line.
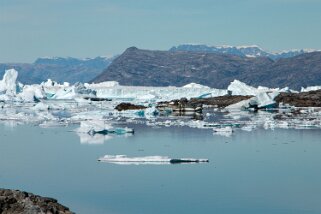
88	28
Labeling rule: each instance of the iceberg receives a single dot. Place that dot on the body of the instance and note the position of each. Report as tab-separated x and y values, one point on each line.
262	100
32	93
8	84
123	159
239	88
265	99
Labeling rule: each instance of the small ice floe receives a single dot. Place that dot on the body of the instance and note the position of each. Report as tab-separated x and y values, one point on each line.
100	127
118	131
156	160
224	131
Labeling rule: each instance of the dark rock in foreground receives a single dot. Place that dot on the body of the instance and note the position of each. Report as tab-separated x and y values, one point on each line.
219	102
182	105
196	104
303	99
128	106
15	201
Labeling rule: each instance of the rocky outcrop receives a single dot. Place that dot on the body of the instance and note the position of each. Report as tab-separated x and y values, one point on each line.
129	106
181	106
217	70
220	102
196	104
303	99
14	201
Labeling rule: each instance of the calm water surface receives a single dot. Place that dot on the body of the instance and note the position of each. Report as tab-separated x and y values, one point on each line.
257	172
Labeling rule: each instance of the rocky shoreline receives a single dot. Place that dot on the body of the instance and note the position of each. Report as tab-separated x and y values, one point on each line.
302	99
15	201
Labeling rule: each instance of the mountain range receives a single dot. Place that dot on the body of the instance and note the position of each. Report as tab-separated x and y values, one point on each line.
246	51
214	66
59	69
177	68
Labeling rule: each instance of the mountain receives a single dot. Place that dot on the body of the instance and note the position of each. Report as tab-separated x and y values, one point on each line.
59	69
177	68
246	51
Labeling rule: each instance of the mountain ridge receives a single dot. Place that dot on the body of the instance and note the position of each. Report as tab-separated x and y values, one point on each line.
244	50
60	69
163	68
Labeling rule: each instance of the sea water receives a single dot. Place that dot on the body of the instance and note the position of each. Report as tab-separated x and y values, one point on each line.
262	171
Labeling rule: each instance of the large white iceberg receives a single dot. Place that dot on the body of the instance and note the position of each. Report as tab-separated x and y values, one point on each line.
8	84
240	88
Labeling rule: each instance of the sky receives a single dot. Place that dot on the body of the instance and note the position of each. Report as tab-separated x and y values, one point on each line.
88	28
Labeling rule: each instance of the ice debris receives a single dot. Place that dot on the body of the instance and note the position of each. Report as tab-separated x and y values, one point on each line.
95	103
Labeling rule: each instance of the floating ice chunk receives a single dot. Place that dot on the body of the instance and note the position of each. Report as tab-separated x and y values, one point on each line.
151	112
79	88
261	100
100	127
123	159
143	93
93	125
239	88
266	100
65	93
8	83
32	93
